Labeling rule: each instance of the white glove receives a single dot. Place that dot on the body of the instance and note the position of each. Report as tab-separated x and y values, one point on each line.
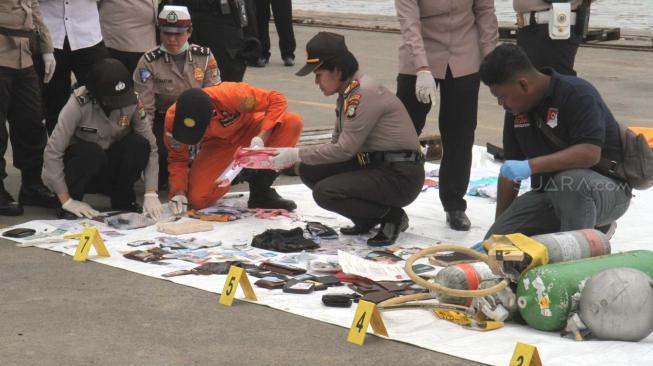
257	142
286	157
50	65
178	204
152	205
425	89
80	209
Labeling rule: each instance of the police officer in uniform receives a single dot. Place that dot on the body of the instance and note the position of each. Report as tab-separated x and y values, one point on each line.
443	43
533	17
373	166
102	144
218	24
169	69
20	102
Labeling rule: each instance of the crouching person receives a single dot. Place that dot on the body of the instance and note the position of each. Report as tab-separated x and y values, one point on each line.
559	132
102	144
374	166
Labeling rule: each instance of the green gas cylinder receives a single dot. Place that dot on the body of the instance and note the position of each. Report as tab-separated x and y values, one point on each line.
544	293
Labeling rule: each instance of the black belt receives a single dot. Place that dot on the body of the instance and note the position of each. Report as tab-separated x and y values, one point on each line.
375	157
16	32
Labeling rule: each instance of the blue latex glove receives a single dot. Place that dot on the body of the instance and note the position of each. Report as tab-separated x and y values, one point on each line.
478	247
515	170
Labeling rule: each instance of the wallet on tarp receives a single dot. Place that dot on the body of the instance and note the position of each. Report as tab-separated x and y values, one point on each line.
339	300
282	268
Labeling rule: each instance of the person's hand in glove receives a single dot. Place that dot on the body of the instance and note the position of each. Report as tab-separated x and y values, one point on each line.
425	89
515	170
80	209
50	65
257	142
178	204
152	205
287	157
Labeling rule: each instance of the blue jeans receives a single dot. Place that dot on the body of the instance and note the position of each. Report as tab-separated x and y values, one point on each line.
572	200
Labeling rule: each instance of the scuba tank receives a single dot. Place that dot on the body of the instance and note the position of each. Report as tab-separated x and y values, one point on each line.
544	293
463	276
617	304
513	254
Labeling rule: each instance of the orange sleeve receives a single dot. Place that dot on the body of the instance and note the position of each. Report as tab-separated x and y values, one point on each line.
248	99
178	157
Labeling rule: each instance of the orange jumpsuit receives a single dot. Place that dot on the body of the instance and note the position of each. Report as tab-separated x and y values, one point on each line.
242	112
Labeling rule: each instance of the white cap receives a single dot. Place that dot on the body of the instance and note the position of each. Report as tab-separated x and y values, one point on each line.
174	19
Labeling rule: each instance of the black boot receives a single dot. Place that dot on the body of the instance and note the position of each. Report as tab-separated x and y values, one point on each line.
36	194
458	220
360	227
261	195
9	206
394	222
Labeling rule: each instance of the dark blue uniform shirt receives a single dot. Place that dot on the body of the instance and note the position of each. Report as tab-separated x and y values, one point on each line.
576	113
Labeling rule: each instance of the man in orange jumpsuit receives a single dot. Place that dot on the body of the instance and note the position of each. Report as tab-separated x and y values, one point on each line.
206	126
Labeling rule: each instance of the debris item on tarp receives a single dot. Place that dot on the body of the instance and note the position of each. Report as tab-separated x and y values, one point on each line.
429	183
186	227
273	213
186	243
319	230
129	221
285	241
205	269
140	243
220	213
150	255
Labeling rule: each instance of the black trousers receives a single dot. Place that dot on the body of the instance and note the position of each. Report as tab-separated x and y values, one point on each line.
362	194
225	38
158	128
90	169
457	123
20	105
545	52
282	10
57	91
129	59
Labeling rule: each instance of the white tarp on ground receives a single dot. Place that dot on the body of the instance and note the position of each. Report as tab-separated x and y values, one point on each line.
418	327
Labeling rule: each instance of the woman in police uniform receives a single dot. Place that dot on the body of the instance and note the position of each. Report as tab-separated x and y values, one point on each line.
166	71
373	167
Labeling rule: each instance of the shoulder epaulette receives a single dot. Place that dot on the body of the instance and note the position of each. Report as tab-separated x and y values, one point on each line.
81	95
153	55
199	50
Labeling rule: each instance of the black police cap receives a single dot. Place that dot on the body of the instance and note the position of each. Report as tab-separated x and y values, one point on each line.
323	46
193	113
110	82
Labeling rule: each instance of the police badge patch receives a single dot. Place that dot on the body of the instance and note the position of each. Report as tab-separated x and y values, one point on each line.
144	74
198	74
352	104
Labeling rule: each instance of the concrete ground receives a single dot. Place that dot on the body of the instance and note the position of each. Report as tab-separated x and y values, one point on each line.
54	311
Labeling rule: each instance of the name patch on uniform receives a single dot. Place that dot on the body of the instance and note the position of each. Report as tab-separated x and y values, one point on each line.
227	118
552	117
521	120
144	74
88	129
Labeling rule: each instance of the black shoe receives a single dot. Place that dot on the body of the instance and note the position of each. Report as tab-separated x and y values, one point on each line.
389	231
359	227
65	215
9	206
269	199
288	61
458	220
37	194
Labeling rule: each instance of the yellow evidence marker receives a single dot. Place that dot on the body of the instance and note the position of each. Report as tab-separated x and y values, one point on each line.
236	276
90	236
366	313
525	355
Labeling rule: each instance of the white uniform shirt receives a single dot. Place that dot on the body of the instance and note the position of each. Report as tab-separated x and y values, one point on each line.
77	19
